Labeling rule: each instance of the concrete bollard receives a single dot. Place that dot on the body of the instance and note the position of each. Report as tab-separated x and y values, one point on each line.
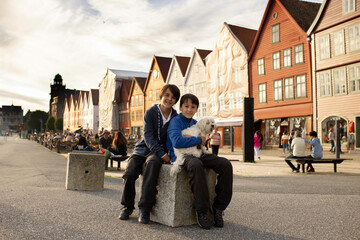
85	171
174	201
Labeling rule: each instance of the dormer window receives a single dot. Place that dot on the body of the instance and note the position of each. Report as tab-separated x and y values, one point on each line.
348	6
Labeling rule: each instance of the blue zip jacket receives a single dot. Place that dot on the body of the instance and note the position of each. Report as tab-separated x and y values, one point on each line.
175	139
155	134
317	150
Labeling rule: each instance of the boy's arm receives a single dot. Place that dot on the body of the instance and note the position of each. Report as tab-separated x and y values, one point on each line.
151	142
309	142
176	138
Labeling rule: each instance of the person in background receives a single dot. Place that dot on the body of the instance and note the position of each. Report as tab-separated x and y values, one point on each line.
316	151
119	144
215	141
332	140
104	146
298	150
285	141
257	144
291	137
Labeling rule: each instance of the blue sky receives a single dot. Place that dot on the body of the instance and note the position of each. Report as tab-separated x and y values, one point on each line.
80	39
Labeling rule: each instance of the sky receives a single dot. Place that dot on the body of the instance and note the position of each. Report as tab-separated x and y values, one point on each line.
80	39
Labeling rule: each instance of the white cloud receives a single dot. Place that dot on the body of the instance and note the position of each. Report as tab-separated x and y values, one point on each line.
79	39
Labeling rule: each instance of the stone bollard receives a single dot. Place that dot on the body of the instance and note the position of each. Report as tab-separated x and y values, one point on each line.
174	201
85	171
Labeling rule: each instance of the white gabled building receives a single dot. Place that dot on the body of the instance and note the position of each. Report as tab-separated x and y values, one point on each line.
195	80
108	107
92	119
176	74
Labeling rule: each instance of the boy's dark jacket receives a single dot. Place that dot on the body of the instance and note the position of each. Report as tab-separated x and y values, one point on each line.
155	134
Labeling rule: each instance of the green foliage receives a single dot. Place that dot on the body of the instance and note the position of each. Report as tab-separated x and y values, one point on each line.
59	124
37	120
50	123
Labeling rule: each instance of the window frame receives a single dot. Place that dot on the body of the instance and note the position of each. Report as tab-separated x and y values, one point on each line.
286	56
356	78
356	38
288	86
324	47
347	11
260	66
302	84
297	52
262	98
327	85
278	90
342	82
276	61
275	33
338	45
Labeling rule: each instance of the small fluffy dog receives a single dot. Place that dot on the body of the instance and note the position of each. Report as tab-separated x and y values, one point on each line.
202	128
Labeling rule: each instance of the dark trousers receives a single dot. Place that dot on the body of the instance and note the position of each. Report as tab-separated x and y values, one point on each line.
292	165
215	149
223	189
148	191
332	149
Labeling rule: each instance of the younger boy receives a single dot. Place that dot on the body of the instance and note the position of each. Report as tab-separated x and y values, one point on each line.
317	150
189	104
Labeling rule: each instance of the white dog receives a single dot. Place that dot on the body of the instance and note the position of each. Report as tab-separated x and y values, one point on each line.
202	128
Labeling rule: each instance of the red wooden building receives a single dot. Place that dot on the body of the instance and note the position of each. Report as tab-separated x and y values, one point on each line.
280	69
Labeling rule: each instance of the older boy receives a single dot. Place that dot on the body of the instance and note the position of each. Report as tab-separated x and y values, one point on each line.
317	149
189	104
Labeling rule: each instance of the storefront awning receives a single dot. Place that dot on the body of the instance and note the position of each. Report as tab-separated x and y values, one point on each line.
227	122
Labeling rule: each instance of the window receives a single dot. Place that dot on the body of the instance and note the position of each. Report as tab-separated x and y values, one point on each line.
157	94
175	73
150	95
237	71
132	101
276	60
275	33
339	75
354	78
137	100
203	107
137	115
287	58
220	79
289	88
132	116
299	54
140	115
190	89
238	100
339	46
348	6
231	101
127	117
140	100
127	105
222	102
278	90
354	37
262	93
324	47
260	66
325	83
300	86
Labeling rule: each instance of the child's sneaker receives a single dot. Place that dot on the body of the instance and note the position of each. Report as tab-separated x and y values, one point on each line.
125	213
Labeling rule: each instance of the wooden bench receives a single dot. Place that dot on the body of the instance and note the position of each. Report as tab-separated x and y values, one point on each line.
304	161
118	160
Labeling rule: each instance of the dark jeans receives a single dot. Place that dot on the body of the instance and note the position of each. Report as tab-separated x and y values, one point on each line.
148	191
215	149
223	189
332	149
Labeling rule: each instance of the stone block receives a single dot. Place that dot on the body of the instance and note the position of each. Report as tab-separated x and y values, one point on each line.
174	201
85	171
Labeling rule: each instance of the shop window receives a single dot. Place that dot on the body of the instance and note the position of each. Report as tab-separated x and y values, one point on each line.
330	123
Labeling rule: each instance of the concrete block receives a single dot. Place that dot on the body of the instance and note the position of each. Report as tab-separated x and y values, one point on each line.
174	201
85	171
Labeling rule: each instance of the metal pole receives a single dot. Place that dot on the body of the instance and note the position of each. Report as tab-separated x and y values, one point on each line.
337	149
232	138
248	130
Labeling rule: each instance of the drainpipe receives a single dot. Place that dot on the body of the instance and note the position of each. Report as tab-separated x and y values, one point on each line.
313	78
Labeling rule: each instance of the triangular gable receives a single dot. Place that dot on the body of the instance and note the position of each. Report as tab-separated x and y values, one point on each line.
140	82
265	15
202	53
183	63
244	36
164	66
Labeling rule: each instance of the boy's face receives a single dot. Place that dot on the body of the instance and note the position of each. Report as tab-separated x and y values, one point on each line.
168	99
188	109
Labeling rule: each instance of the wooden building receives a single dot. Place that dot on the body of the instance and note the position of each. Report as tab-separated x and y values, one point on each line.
227	81
122	96
335	38
280	69
136	106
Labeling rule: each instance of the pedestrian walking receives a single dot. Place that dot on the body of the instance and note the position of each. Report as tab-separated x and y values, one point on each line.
285	141
257	144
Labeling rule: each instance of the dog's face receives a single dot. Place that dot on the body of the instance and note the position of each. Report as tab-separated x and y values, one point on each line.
207	125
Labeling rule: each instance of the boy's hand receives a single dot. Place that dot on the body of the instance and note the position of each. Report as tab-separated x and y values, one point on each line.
166	159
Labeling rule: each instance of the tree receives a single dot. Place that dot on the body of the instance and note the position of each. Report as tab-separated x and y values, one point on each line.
50	123
37	120
59	124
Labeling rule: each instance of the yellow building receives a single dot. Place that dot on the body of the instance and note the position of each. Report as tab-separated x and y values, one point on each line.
136	102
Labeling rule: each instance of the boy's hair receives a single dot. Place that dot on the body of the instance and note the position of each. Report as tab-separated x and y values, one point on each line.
173	89
313	134
192	97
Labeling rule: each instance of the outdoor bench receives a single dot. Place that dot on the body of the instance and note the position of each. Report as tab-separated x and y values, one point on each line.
305	160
